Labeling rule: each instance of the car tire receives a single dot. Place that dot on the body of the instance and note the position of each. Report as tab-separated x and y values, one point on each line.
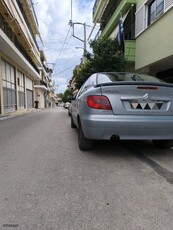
72	123
83	142
163	144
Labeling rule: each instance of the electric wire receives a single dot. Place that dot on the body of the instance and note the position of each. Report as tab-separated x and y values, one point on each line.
66	68
62	47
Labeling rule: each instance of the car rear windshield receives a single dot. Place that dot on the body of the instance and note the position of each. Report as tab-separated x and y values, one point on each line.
112	77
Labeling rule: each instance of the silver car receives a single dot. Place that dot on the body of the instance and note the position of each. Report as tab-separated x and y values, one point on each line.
123	106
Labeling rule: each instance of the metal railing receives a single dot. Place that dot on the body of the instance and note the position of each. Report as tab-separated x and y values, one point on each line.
11	35
95	5
26	20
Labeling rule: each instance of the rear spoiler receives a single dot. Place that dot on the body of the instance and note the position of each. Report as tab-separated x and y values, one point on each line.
135	83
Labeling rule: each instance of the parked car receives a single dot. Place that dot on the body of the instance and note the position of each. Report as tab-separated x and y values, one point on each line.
69	109
123	106
66	105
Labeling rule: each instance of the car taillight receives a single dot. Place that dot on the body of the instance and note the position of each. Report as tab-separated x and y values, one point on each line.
98	102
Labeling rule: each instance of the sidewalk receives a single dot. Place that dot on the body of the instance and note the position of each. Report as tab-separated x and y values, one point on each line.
17	113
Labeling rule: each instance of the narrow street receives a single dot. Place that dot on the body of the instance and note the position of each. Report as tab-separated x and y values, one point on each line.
47	183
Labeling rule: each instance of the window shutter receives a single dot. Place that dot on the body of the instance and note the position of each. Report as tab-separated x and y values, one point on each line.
168	4
140	20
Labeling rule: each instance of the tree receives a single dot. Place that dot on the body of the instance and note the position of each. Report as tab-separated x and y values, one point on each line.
106	57
83	73
59	95
67	93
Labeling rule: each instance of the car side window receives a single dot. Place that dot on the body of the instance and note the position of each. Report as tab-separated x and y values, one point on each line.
82	89
102	78
91	81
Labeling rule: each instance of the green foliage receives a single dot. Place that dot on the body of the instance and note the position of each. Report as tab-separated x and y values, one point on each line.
67	93
83	73
106	57
59	95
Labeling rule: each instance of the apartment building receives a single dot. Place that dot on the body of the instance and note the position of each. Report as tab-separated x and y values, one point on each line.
147	33
72	82
43	85
24	75
107	13
154	45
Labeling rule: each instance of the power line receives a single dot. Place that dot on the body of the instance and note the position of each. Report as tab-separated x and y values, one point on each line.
62	46
66	68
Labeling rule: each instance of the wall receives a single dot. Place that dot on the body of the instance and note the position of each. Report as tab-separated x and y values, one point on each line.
156	42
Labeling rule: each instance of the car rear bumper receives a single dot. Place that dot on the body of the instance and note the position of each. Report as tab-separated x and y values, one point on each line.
100	127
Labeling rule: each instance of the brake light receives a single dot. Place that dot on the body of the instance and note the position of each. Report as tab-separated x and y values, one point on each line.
147	87
98	102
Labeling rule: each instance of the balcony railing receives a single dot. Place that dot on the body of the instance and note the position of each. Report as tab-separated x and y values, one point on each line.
26	20
11	35
130	48
95	5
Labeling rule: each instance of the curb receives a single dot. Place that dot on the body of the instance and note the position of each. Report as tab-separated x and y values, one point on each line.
17	113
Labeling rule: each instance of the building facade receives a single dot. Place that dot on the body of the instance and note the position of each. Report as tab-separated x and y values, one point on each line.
107	13
24	78
154	46
147	33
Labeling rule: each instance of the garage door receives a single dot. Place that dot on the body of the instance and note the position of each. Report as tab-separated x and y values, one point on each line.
29	92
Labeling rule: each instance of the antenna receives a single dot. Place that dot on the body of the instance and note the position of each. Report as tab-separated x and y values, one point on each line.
71	10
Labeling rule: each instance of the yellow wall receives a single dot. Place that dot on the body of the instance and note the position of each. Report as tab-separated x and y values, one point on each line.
156	42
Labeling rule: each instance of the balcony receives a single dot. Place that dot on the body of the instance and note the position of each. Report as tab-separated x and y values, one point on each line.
13	48
130	49
98	9
95	6
123	7
28	14
41	85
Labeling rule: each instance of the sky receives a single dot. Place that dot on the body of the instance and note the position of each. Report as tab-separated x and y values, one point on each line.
59	45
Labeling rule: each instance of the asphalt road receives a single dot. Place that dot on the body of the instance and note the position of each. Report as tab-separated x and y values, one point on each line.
47	183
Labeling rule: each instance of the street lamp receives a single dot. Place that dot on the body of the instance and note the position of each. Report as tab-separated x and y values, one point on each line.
78	47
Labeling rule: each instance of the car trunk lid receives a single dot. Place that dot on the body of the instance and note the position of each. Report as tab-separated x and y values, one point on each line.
143	98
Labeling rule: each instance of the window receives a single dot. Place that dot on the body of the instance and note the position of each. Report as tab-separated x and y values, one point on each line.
155	9
9	86
103	78
91	81
149	12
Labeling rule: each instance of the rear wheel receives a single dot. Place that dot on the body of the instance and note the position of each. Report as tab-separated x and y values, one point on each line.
163	144
72	123
83	142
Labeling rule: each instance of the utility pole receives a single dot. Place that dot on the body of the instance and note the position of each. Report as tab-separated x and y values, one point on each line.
82	40
84	52
71	11
72	24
